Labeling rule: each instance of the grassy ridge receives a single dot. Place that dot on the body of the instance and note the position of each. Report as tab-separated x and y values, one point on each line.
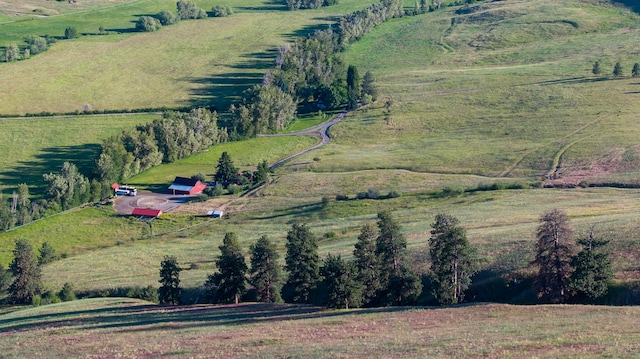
32	147
193	63
107	327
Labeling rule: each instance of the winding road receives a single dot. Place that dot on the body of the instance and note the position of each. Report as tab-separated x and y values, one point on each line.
320	131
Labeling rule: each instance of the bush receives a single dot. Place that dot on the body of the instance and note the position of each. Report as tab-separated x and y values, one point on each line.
361	195
166	17
148	24
148	293
199	176
67	293
234	189
70	33
49	297
221	10
393	194
342	197
373	193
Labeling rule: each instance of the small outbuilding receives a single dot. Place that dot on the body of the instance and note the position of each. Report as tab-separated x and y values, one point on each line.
190	186
215	214
146	212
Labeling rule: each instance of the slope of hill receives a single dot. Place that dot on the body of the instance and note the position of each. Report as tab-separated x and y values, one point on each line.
129	328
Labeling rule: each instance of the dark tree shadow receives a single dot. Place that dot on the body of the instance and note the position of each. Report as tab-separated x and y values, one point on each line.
634	5
49	160
274	5
153	317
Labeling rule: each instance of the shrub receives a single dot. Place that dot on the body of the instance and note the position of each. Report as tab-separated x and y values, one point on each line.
373	193
67	293
330	235
166	17
361	195
199	176
234	189
70	33
342	197
393	194
148	293
148	24
49	297
221	10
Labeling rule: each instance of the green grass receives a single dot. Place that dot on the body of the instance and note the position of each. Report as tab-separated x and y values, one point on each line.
32	147
246	155
462	115
194	63
110	326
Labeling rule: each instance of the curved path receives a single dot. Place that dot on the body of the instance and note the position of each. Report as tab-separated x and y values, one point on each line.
320	131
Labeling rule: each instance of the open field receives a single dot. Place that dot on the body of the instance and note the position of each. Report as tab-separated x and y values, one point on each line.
520	116
194	63
500	224
129	328
32	147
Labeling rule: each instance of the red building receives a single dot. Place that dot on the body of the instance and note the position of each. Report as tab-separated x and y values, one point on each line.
190	186
146	212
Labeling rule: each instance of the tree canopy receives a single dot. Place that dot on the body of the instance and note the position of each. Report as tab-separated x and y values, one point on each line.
302	264
27	282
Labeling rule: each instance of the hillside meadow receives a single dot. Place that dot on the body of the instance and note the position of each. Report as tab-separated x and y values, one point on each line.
131	328
35	146
521	118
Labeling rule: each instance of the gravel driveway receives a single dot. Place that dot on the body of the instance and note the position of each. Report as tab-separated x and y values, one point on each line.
161	201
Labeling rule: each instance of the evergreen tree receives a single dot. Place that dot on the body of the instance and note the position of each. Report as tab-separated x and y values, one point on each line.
229	283
302	264
47	254
635	72
170	290
27	281
367	263
265	270
262	172
5	278
451	259
596	68
339	278
391	245
353	80
617	70
404	287
553	257
226	172
593	271
369	88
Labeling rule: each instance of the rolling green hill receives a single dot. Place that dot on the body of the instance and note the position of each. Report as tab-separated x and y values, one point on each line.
493	93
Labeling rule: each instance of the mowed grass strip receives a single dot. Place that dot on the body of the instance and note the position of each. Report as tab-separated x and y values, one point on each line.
108	326
32	147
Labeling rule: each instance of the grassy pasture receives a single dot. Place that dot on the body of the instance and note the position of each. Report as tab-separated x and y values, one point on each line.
32	147
501	224
108	327
194	63
515	106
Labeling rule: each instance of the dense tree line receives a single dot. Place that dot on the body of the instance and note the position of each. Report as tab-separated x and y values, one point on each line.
311	73
174	136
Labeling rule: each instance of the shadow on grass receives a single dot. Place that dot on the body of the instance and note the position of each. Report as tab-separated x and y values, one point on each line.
49	160
222	90
139	318
266	6
573	80
634	5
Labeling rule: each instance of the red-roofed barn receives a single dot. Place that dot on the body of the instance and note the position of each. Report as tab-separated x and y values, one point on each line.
146	212
183	185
